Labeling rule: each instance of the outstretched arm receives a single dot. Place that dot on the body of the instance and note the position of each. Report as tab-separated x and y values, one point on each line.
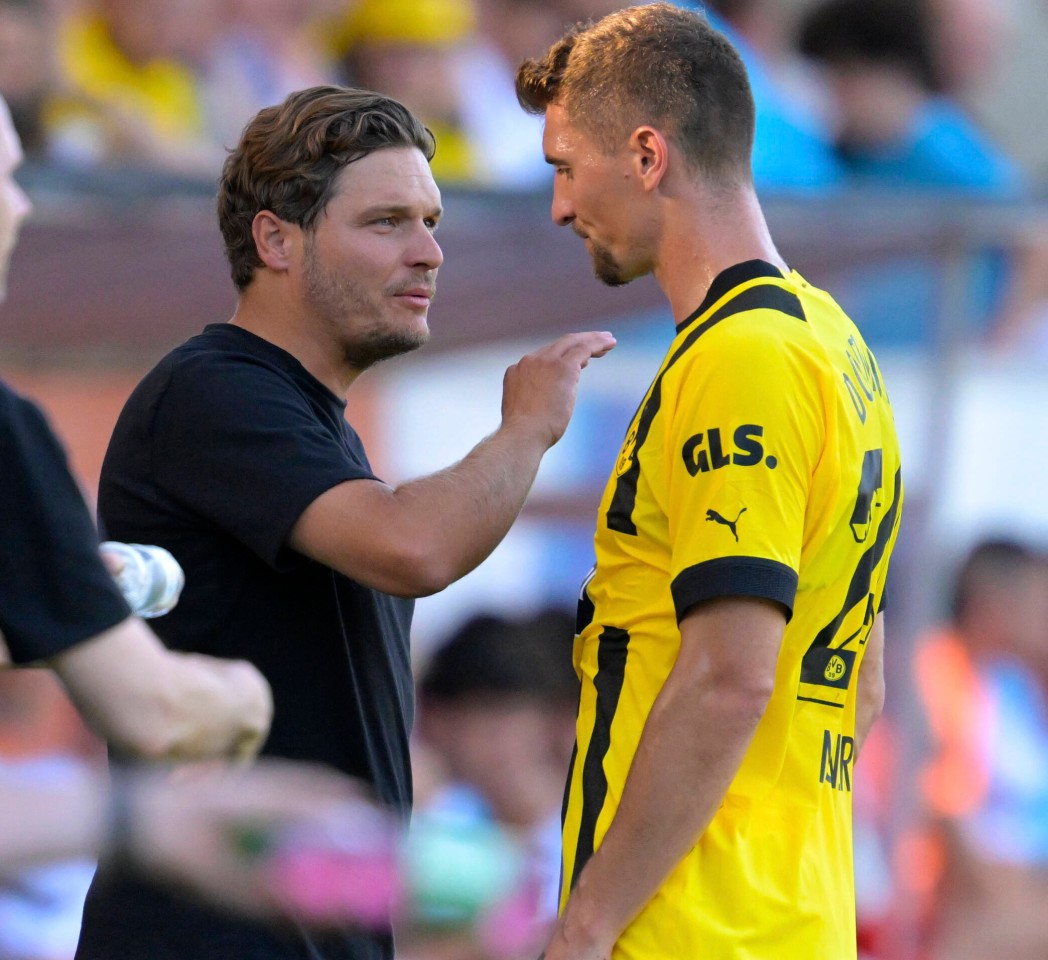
693	742
417	538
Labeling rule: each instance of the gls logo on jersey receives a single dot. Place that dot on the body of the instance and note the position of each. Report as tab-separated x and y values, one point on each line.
705	451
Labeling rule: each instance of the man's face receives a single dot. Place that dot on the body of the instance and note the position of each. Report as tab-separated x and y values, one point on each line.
370	263
14	204
592	195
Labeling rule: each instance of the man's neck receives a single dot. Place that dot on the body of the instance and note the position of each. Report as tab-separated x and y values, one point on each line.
284	325
708	237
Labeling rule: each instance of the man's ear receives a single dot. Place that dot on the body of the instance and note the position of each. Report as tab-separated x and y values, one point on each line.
650	154
274	239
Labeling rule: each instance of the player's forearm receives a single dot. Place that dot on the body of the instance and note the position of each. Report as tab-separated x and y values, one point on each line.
693	743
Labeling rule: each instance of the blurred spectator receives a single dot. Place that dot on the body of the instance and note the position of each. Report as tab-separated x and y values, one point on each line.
497	705
132	93
768	30
986	784
411	50
264	50
506	141
792	149
896	132
27	68
896	128
970	38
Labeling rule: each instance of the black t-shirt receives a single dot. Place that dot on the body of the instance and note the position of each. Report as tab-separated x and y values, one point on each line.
54	590
215	456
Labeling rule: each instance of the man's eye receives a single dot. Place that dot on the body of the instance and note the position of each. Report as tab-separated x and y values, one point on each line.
431	224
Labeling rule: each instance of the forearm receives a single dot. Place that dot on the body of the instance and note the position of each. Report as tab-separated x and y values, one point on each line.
869	697
162	705
692	745
460	514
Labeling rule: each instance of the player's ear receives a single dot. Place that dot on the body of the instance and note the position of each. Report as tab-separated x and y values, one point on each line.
649	151
274	239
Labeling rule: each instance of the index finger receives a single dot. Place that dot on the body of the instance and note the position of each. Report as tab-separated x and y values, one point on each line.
583	346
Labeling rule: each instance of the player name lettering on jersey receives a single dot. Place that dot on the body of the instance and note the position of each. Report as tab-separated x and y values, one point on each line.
705	451
864	386
838	752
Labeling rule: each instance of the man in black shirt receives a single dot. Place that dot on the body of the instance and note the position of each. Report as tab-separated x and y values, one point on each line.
234	454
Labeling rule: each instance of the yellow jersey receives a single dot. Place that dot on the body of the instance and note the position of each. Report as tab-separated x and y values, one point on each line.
763	461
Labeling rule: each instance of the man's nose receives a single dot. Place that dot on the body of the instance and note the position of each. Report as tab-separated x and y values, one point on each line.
427	252
562	210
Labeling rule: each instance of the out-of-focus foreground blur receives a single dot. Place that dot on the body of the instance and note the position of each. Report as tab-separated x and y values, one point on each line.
902	158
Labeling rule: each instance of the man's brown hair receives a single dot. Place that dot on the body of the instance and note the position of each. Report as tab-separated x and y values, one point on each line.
290	155
655	64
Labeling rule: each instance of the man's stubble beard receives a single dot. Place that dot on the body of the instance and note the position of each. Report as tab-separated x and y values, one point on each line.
338	299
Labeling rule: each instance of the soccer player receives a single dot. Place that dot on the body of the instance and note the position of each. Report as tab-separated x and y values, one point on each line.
234	454
730	635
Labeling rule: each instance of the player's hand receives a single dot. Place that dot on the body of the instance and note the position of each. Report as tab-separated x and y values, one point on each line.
538	392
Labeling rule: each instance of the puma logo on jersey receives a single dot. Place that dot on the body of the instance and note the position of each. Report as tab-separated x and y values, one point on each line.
730	524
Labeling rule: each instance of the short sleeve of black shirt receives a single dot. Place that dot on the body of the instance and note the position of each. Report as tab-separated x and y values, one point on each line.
241	436
54	590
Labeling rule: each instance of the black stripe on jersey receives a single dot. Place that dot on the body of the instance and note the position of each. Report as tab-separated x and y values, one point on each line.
825	703
765	296
727	280
734	577
859	588
611	672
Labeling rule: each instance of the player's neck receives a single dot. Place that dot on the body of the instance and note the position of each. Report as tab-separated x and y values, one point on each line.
706	238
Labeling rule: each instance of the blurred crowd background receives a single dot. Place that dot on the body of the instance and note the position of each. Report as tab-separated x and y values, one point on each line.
902	157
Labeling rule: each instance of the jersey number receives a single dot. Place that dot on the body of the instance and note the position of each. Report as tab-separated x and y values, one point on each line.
870	484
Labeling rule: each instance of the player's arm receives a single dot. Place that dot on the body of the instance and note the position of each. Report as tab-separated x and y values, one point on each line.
870	691
163	705
415	539
694	740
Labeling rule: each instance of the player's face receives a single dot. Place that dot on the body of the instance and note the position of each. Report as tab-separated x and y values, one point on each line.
14	204
370	264
592	195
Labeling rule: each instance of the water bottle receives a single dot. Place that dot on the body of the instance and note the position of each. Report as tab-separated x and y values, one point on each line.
151	579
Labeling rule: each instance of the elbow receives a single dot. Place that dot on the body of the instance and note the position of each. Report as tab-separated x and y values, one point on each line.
745	700
418	570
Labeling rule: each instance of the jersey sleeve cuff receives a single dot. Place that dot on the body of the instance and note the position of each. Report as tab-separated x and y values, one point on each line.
735	577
